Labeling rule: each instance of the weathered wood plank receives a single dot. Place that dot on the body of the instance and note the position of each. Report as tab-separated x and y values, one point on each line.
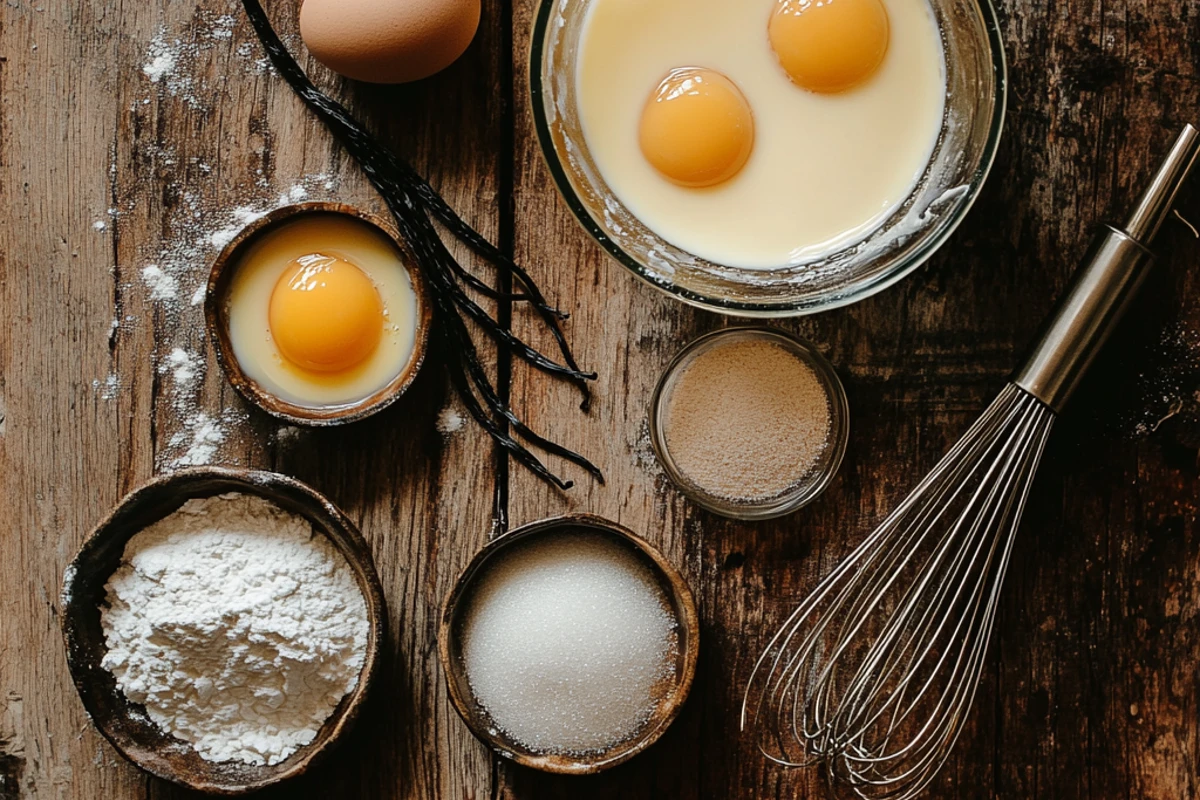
1091	688
85	130
1079	699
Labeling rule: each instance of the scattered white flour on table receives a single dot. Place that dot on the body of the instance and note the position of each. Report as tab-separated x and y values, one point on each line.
449	420
237	627
182	366
162	60
295	194
288	436
161	285
241	217
642	449
205	434
107	388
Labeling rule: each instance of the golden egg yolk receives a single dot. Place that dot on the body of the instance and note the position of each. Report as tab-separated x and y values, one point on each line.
325	314
829	46
697	129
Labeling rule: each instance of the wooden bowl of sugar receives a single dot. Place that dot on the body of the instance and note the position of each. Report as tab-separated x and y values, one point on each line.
569	645
127	725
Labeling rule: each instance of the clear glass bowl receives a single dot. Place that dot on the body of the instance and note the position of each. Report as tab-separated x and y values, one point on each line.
971	123
804	491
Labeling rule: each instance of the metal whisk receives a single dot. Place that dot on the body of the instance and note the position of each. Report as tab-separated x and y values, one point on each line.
874	674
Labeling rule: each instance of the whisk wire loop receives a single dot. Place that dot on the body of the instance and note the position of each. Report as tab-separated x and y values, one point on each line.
874	674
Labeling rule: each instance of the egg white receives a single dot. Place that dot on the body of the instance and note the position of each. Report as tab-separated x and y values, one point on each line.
259	269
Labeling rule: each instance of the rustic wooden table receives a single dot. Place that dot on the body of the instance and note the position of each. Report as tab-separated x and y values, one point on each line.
130	130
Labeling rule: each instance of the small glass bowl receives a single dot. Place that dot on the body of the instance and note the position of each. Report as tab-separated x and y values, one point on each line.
814	481
976	78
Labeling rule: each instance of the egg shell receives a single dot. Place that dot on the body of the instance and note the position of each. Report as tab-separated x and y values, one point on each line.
388	41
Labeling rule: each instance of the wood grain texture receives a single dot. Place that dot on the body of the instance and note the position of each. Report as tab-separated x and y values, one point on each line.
85	130
1079	699
1091	689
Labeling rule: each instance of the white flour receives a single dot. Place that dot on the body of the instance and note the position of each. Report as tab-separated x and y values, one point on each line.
162	285
450	421
203	436
182	366
237	628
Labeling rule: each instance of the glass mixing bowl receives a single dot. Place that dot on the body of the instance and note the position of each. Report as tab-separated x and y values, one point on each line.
811	484
966	146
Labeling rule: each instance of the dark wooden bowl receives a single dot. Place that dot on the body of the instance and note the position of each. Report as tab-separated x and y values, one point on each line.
478	720
126	724
216	317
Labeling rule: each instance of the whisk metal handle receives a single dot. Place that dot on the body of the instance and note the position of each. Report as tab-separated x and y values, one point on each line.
1103	287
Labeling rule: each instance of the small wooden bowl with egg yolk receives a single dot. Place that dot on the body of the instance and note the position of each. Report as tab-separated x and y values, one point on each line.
369	387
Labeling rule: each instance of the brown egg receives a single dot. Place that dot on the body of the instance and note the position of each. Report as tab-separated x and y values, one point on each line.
388	41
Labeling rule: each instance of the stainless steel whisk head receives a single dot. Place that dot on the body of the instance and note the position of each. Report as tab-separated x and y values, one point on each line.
874	674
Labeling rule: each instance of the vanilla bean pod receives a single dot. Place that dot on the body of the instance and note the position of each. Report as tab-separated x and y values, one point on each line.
412	201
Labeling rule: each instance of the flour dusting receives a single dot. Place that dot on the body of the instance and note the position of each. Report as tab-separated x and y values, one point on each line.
161	285
107	389
182	366
206	436
450	421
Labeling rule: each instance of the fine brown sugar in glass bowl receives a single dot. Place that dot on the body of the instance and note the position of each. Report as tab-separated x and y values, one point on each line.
750	423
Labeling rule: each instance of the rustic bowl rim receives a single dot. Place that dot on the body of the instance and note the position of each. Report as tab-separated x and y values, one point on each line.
683	605
354	549
217	324
813	483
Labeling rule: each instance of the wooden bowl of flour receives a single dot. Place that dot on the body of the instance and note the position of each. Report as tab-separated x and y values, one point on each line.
126	724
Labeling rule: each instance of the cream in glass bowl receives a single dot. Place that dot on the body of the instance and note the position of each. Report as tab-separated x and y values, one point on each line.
740	155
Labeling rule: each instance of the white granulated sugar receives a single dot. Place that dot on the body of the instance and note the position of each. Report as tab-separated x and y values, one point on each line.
162	286
100	225
449	420
236	627
198	295
568	642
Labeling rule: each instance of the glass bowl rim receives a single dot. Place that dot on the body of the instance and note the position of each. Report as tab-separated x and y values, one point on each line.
859	290
794	498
